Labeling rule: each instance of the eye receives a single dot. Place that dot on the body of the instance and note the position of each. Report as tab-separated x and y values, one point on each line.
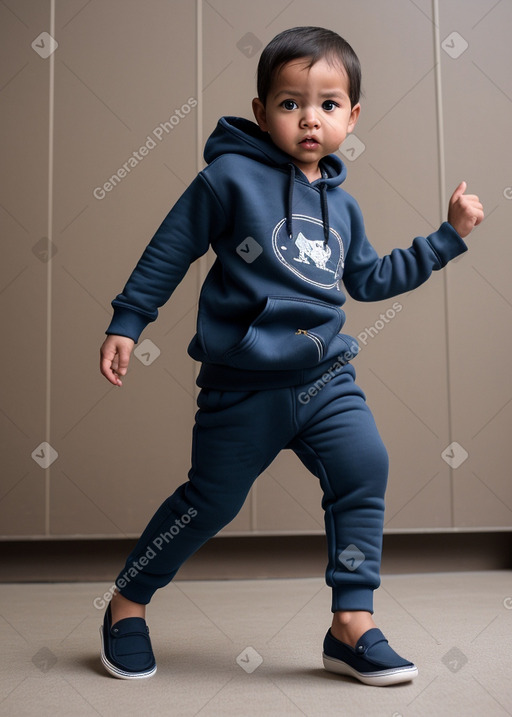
329	105
289	105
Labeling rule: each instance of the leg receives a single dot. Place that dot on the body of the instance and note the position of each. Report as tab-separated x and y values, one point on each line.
236	436
340	444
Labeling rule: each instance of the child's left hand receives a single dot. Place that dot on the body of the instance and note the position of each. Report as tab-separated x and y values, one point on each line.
465	211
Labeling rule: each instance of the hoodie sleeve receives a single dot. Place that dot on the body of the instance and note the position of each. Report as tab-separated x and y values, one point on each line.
368	277
184	236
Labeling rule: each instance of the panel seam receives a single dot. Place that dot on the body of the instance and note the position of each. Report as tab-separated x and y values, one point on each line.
441	156
49	272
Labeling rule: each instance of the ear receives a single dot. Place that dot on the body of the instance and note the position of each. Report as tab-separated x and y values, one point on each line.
260	114
354	116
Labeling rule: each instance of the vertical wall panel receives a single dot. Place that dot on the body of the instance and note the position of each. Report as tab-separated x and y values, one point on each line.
477	101
120	76
24	100
395	180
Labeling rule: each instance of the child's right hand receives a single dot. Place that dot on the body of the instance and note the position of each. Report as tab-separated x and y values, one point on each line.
115	356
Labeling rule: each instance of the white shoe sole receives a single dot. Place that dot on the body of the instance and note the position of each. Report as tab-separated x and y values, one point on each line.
117	672
382	678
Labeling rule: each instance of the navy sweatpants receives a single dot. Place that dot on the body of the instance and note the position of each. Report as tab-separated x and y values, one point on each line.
237	435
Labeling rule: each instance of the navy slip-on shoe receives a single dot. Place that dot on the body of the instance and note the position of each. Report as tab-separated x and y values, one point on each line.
372	661
126	650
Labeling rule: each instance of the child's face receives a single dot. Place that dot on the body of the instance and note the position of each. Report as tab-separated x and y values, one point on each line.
308	112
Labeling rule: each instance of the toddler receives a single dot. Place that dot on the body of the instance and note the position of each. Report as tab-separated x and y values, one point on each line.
275	370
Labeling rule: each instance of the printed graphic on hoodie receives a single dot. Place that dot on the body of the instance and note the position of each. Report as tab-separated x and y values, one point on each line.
306	254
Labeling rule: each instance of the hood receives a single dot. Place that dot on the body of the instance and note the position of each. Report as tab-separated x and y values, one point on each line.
236	135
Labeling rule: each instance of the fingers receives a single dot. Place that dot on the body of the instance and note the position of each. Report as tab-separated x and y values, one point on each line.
115	357
476	209
123	359
107	370
458	192
467	202
479	214
108	365
472	207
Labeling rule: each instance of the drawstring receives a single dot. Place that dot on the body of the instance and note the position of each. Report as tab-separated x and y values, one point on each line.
325	212
289	208
323	205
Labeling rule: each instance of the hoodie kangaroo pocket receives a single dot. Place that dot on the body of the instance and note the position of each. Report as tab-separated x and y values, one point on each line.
288	334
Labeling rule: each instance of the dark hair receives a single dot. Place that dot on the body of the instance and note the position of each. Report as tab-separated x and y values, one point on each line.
313	43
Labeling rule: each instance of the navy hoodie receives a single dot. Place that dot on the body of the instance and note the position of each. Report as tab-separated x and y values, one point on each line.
270	308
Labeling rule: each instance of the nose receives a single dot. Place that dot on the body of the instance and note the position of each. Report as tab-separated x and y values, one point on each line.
309	118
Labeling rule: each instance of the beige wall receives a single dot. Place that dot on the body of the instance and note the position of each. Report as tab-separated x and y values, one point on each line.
436	373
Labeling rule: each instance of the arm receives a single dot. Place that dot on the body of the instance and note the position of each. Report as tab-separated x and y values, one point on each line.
183	237
368	277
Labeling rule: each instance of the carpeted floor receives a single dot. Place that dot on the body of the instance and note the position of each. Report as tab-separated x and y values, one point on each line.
253	647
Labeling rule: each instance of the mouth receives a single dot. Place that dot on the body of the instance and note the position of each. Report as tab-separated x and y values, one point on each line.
310	143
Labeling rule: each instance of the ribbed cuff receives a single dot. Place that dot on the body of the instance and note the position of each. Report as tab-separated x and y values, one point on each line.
446	243
352	597
126	322
135	592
